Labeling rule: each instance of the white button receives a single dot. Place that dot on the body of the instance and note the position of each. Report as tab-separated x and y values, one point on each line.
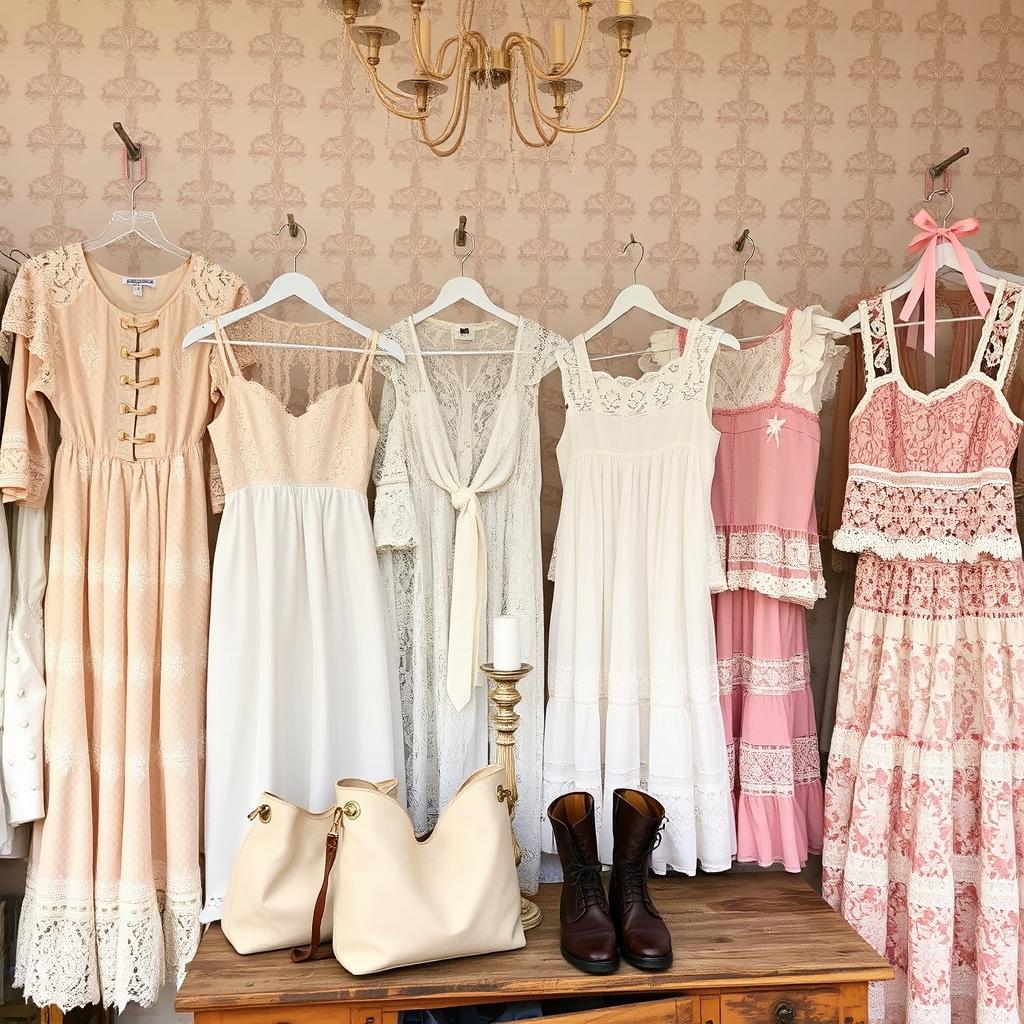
27	636
15	659
24	724
34	788
31	755
21	692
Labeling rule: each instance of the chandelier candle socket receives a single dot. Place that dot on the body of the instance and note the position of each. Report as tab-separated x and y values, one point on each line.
468	61
504	721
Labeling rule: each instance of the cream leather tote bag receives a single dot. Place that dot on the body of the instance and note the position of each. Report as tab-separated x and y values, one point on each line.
399	900
277	875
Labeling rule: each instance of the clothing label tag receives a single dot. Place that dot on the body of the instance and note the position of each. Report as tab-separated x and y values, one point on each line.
139	283
465	333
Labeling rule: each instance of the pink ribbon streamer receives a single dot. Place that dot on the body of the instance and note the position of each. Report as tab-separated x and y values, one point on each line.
928	239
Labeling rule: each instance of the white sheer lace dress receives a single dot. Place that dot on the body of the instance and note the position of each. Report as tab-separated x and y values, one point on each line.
457	517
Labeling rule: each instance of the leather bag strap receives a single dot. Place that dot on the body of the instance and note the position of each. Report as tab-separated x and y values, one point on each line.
301	955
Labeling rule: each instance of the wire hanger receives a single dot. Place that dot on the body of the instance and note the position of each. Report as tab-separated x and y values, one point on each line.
750	292
638	296
464	289
287	286
132	221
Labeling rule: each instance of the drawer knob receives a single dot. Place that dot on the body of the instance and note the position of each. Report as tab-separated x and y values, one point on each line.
784	1013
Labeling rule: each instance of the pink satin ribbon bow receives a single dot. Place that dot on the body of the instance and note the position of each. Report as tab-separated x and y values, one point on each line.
928	239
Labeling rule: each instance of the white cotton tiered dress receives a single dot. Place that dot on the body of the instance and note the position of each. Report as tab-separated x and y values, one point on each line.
633	683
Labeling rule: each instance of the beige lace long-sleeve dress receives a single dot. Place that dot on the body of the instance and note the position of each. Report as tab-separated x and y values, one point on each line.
113	895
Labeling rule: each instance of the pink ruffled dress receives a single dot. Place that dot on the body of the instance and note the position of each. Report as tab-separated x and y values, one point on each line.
767	397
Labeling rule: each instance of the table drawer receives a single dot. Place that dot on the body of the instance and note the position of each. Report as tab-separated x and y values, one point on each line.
320	1013
783	1006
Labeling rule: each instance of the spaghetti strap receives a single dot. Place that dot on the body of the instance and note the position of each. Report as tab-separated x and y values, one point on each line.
227	353
364	369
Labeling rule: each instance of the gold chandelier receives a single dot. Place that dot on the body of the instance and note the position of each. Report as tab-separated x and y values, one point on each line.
468	59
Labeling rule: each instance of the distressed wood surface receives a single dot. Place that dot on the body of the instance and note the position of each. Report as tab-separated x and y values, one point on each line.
729	932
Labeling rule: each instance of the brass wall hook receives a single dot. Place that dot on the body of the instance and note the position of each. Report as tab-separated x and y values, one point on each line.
460	239
622	252
294	227
739	245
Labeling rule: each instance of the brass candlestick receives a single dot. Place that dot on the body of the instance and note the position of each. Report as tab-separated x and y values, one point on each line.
504	694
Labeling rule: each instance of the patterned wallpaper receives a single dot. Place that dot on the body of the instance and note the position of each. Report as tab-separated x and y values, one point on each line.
809	122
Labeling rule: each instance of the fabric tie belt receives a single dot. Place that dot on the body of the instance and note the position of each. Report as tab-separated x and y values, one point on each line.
469	589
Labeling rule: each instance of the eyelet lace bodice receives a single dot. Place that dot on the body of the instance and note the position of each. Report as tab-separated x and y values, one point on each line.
929	473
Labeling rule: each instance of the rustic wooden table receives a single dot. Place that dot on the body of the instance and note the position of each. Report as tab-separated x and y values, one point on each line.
749	949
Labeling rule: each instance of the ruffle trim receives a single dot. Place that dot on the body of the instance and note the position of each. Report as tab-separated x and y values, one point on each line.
951	550
780	829
781	564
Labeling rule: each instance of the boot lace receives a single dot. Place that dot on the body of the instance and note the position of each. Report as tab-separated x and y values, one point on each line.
586	879
634	873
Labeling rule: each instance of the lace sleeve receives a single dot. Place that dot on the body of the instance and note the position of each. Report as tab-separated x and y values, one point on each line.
25	449
394	524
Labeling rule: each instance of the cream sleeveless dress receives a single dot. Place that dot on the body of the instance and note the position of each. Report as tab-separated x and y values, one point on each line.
301	690
632	679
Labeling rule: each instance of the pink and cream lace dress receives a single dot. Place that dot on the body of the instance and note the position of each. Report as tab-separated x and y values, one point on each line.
113	894
767	397
925	793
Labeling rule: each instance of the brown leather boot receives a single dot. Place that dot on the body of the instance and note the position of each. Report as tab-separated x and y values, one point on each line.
644	940
587	933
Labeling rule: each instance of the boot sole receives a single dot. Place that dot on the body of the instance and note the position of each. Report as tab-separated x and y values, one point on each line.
648	963
590	966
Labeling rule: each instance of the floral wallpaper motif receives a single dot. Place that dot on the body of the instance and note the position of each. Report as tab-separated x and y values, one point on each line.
809	122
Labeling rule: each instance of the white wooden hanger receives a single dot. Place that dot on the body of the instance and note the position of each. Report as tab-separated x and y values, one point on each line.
287	286
465	289
639	296
945	262
142	223
745	290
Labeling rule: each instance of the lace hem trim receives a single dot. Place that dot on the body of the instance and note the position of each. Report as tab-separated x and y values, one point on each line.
783	564
775	771
115	948
694	689
763	677
951	550
802	592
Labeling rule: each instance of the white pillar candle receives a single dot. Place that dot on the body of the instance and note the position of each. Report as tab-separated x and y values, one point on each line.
625	7
508	651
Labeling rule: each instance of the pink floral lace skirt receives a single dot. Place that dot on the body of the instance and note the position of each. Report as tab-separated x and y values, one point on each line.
769	726
925	791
